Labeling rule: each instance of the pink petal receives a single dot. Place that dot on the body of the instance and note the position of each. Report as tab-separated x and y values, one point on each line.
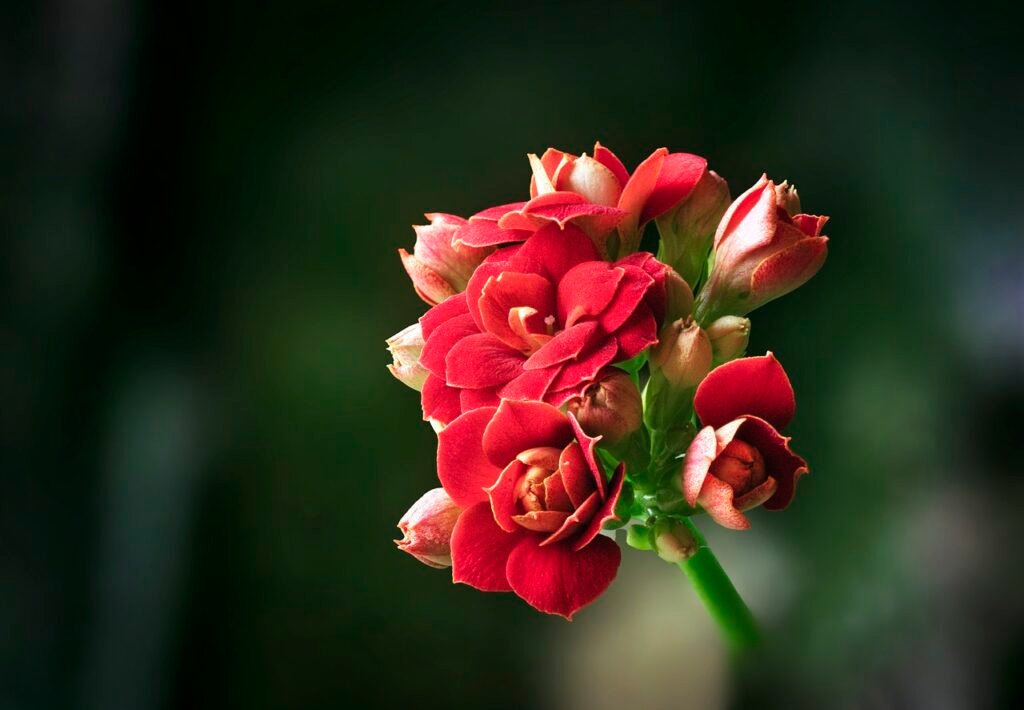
788	269
481	360
752	216
612	162
454	306
557	580
480	550
679	175
551	252
462	467
810	224
518	426
440	402
699	456
442	339
753	498
428	284
756	386
606	512
716	498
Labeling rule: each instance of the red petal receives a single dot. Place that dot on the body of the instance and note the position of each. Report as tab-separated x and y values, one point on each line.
810	224
639	332
480	550
442	339
631	293
439	401
487	270
454	306
635	195
522	219
474	399
780	462
493	214
577	477
518	426
484	233
564	346
588	445
555	579
542	520
586	290
462	467
530	385
699	456
606	511
555	495
596	218
679	174
481	360
788	269
752	216
502	495
576	520
756	386
612	162
575	374
551	252
509	290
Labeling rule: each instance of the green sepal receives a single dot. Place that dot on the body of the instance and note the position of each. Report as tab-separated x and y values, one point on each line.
639	537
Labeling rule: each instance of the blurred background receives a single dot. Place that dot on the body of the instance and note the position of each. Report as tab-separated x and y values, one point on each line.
203	457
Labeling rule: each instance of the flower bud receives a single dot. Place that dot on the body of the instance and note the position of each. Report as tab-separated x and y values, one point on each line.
683	354
673	541
729	336
610	407
405	347
439	267
787	198
678	296
687	231
427	529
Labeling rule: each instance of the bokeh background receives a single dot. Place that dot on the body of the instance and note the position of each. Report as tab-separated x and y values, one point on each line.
203	457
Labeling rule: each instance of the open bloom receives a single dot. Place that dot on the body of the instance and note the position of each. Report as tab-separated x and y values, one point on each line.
739	460
535	501
762	251
438	266
594	193
538	322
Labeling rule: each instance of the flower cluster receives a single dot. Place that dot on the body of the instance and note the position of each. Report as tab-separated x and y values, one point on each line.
578	385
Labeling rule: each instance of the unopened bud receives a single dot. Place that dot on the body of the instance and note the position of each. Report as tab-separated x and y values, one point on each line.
405	347
729	336
688	230
673	541
683	354
427	529
678	296
610	407
787	198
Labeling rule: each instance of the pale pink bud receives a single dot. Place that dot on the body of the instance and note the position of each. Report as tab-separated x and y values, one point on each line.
427	529
405	347
589	178
610	408
683	354
439	267
729	336
678	296
688	230
673	541
762	251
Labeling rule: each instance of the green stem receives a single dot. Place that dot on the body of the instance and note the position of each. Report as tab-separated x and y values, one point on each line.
720	597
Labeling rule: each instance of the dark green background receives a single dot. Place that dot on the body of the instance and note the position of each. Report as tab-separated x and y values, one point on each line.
203	457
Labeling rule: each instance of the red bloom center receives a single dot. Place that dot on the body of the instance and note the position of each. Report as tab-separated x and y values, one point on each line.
741	466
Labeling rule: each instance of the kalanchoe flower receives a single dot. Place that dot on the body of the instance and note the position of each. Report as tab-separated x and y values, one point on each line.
609	408
538	322
739	460
729	336
762	251
439	267
535	501
405	347
427	529
688	229
594	193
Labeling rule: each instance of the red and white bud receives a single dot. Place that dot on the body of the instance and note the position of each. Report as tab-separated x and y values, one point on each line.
439	266
427	529
405	347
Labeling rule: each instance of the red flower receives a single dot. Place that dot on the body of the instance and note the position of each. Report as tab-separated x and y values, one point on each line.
534	500
596	194
764	248
739	460
538	322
